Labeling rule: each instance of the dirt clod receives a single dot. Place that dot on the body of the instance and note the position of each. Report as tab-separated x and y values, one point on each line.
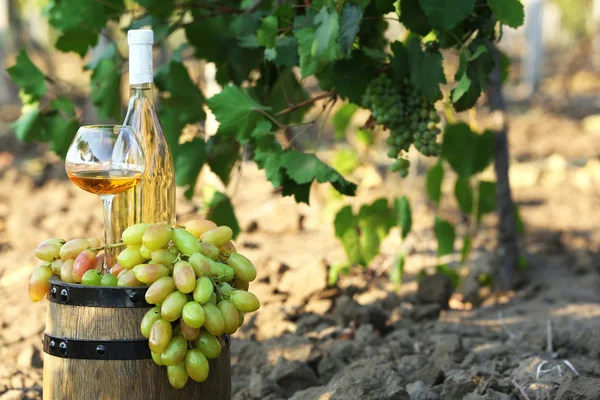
293	376
579	388
435	289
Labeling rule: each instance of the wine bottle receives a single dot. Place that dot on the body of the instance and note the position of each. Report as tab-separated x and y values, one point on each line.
153	200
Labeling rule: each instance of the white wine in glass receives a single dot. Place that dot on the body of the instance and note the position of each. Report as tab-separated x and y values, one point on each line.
105	160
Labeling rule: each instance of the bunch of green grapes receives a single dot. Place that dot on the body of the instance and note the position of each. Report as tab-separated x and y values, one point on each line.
409	116
75	261
197	281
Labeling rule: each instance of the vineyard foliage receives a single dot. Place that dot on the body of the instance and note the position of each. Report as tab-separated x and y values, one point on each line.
264	51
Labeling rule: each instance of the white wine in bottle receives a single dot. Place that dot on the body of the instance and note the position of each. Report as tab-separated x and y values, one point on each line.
153	200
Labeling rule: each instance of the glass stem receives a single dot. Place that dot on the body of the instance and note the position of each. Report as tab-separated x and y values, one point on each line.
107	200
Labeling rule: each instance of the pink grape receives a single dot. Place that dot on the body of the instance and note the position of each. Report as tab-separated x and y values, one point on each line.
184	277
198	226
157	236
160	335
66	271
149	273
126	279
85	261
72	248
39	282
159	290
56	266
190	334
48	250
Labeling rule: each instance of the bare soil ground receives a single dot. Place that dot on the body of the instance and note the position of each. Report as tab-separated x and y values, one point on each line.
363	340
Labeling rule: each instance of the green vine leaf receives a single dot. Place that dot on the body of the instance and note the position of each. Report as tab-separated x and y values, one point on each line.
25	74
236	112
30	125
400	64
222	213
285	52
349	26
446	14
292	168
286	92
188	163
304	168
351	77
341	120
267	34
308	63
80	22
56	126
473	74
285	15
413	17
487	198
64	105
77	41
361	234
221	156
426	70
61	132
346	229
184	94
435	176
467	153
464	194
326	45
509	12
444	233
106	85
374	224
397	272
159	8
402	207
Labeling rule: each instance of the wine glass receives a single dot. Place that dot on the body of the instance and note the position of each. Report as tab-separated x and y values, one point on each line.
105	160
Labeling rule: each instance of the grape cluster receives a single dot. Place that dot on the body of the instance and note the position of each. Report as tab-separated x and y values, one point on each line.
409	116
197	281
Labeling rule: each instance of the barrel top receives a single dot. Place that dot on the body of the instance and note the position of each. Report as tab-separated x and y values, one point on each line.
96	296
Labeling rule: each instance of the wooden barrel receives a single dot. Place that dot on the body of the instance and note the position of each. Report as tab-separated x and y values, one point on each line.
94	350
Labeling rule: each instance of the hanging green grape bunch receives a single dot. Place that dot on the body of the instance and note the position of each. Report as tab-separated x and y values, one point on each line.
409	116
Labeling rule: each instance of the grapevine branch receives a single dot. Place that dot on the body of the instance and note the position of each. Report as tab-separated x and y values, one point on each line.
306	103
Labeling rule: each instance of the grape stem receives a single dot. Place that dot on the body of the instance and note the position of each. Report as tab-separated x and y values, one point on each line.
108	246
217	290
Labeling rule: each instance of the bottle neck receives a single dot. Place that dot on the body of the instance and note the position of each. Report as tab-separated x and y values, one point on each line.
142	91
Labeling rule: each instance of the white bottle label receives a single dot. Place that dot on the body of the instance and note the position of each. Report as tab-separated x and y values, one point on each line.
140	56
